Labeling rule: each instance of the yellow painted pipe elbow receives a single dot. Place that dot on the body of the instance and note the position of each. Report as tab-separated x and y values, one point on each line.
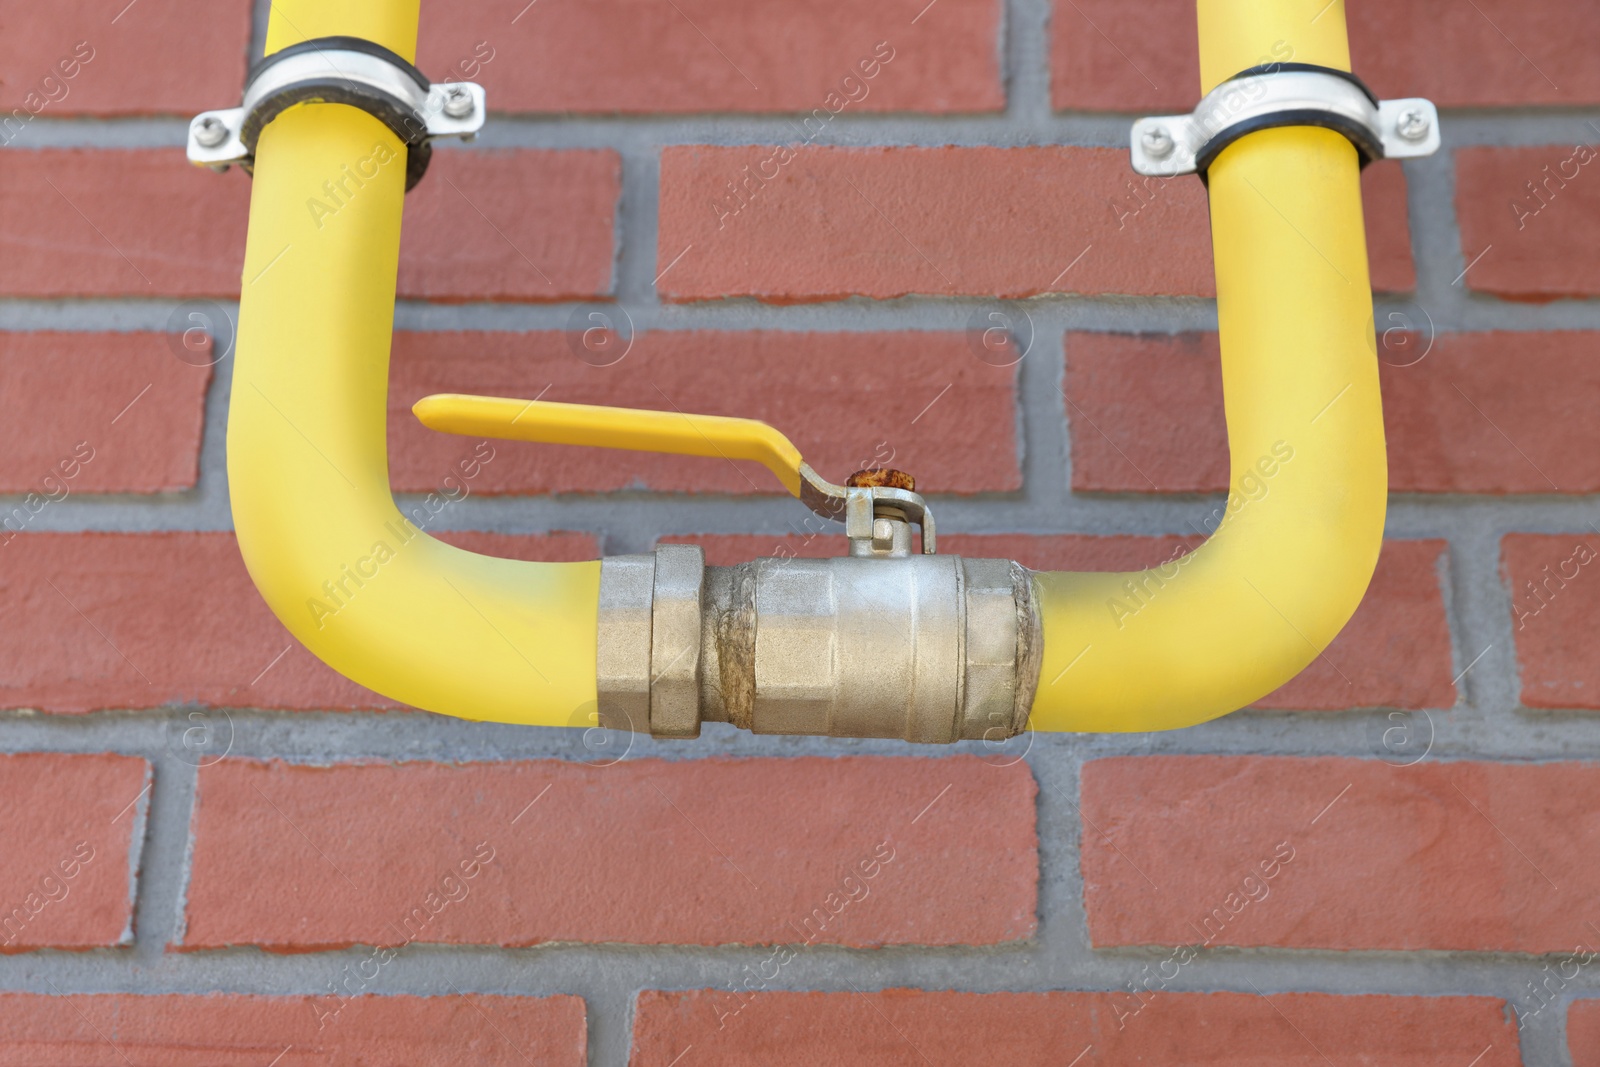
1229	623
378	600
454	632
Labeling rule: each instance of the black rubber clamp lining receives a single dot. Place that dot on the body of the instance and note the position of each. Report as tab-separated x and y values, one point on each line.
396	114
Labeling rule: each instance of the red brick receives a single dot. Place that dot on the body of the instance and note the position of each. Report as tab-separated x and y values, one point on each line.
1496	413
888	222
117	1030
1145	412
1554	580
110	620
66	873
1388	225
489	224
1528	233
914	1027
1472	857
1583	1033
719	55
1480	413
1394	653
1111	56
936	408
130	422
143	222
153	56
705	852
119	222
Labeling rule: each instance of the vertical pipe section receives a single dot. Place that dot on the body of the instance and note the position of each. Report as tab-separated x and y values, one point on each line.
381	602
1245	612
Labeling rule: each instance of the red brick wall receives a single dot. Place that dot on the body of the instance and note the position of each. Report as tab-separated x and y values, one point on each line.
219	851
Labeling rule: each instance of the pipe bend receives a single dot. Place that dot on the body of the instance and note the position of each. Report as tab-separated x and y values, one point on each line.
1232	621
380	601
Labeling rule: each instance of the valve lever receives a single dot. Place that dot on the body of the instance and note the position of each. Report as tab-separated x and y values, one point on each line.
678	433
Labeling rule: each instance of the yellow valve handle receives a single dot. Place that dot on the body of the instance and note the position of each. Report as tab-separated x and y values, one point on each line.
550	423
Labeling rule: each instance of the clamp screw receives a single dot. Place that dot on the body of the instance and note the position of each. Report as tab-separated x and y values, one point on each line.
1412	124
211	131
458	102
1157	142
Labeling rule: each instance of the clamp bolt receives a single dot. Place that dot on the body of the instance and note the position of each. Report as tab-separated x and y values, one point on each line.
1157	142
1412	124
458	102
211	131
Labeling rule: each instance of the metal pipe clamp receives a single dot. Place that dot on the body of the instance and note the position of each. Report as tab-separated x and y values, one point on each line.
1284	94
340	70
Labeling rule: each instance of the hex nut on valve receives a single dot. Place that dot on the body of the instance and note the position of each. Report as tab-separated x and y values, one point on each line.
675	641
622	655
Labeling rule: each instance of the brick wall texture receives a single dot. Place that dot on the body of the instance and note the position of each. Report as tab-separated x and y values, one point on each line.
822	214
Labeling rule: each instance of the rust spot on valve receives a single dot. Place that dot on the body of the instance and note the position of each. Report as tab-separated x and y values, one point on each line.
881	478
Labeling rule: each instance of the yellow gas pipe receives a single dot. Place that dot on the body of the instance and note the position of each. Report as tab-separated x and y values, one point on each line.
1273	586
308	471
483	638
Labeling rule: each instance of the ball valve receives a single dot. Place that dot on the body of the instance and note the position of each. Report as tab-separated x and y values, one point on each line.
881	642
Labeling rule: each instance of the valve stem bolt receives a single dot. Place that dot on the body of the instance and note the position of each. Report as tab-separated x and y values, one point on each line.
1412	124
458	102
211	131
1157	142
881	478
